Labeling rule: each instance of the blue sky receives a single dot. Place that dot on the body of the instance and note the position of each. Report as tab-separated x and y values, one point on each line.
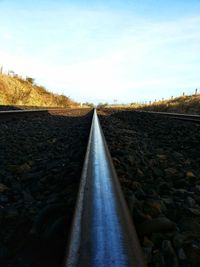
98	51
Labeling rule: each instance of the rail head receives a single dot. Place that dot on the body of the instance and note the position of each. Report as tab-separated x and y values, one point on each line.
102	231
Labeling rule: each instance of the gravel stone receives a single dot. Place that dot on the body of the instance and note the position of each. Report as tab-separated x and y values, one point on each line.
167	153
41	163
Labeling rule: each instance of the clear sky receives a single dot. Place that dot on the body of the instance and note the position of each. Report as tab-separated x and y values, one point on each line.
104	50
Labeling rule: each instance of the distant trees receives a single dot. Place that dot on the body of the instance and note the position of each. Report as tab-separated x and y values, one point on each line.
91	105
102	105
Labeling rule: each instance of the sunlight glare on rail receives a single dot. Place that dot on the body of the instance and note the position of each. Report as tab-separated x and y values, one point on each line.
103	234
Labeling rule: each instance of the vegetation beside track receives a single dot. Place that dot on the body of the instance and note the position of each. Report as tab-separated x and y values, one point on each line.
183	104
189	104
14	90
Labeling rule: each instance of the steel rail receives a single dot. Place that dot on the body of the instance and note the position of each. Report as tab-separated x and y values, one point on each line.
30	111
103	234
178	116
22	111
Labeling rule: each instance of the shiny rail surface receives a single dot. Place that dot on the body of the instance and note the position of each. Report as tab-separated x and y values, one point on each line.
178	116
22	111
102	233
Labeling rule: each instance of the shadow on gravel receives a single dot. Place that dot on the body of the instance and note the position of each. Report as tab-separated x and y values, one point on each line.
41	160
157	160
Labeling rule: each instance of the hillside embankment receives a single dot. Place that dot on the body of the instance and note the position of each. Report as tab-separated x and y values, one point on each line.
183	104
16	91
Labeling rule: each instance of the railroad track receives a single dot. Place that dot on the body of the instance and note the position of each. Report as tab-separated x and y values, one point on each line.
184	117
102	232
19	111
30	112
22	112
178	116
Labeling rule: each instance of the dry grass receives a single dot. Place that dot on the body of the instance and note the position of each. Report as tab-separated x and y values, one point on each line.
17	91
184	104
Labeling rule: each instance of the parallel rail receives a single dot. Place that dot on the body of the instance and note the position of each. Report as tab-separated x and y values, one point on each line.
178	116
38	111
103	233
24	112
20	111
185	117
16	113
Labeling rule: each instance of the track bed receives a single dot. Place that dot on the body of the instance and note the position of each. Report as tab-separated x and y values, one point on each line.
158	163
41	160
